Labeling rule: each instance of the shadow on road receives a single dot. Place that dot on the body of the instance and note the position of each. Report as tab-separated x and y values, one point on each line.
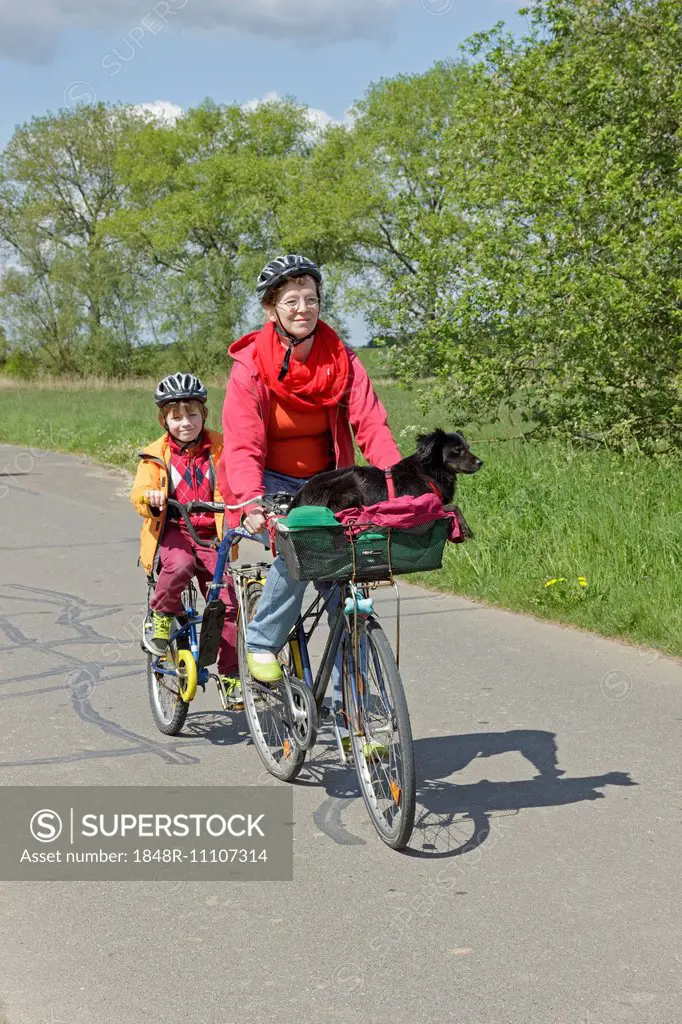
221	728
453	819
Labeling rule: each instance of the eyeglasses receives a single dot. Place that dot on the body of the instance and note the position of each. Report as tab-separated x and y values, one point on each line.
291	305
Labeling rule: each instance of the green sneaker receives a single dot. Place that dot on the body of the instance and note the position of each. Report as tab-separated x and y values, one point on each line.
157	643
264	667
232	689
372	751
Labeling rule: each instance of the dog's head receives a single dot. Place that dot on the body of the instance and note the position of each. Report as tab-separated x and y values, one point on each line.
450	453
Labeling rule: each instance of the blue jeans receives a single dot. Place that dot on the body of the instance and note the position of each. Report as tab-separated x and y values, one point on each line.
282	598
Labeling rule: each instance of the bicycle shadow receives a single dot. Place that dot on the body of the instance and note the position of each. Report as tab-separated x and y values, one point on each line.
454	818
221	728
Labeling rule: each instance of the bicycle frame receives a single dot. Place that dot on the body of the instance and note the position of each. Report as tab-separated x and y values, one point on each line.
190	628
298	642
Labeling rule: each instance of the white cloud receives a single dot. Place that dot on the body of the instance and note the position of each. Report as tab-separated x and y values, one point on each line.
31	30
319	119
161	110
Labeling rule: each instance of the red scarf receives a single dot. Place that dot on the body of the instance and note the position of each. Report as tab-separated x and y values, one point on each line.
320	381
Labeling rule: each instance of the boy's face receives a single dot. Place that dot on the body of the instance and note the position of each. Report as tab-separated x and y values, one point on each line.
184	420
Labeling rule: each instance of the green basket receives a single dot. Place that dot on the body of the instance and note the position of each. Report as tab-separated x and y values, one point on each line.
327	552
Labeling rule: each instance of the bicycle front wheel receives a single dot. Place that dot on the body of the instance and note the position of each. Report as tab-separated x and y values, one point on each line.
380	733
167	689
265	706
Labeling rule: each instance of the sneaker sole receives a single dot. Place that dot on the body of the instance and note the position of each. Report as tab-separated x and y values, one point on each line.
152	650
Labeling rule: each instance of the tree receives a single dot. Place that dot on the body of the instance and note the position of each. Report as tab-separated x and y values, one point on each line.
374	199
567	301
203	208
70	298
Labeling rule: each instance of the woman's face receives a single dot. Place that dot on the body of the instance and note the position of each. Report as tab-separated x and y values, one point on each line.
297	306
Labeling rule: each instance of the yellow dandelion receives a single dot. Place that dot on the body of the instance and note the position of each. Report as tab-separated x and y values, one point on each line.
582	581
559	579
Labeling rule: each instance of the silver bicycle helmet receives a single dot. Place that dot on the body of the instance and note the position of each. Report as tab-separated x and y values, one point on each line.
179	387
285	268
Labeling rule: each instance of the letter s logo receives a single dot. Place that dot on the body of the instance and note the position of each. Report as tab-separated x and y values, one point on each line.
46	826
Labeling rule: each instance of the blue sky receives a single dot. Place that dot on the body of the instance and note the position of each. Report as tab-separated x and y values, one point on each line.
185	54
324	53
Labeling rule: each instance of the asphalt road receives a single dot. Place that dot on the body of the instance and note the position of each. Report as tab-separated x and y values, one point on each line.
542	886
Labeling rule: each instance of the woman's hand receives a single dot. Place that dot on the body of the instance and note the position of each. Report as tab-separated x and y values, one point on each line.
155	499
255	521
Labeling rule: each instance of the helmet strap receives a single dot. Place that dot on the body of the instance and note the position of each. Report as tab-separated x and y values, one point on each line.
292	340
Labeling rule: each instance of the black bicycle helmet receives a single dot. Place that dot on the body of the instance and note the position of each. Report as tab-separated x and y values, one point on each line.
285	268
179	387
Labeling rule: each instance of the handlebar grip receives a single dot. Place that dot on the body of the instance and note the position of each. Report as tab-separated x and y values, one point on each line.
184	511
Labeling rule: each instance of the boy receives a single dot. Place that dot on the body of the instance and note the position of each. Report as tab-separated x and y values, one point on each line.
181	464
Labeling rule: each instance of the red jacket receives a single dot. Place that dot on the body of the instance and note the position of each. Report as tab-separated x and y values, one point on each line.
246	414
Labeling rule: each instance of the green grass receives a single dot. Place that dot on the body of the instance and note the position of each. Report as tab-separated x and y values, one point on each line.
539	511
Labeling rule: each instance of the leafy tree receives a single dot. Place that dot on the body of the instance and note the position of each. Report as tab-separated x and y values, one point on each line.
203	207
374	199
565	301
70	298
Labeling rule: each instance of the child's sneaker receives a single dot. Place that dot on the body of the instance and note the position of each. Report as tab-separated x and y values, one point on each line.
232	690
157	643
372	750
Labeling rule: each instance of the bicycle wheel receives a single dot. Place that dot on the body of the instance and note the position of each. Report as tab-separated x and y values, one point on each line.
265	707
380	733
169	710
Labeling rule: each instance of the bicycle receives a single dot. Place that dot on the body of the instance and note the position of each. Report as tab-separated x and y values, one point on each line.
374	708
284	717
174	677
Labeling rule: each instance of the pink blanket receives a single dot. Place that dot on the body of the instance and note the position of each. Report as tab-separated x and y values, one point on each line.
402	513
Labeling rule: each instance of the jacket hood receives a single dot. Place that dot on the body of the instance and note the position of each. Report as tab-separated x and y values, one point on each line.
242	343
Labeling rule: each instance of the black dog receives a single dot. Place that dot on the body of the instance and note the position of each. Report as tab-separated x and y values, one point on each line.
437	461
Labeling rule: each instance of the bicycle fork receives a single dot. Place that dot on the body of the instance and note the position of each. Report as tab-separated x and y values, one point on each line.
360	608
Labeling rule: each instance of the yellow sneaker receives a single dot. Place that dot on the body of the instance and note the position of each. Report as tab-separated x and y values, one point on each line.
372	751
157	643
232	689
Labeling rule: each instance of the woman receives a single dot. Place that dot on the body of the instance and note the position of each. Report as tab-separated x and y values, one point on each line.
294	395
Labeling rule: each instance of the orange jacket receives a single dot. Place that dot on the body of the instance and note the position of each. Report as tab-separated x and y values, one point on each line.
152	475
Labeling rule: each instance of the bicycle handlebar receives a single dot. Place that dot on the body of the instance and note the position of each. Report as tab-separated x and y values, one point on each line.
275	504
192	507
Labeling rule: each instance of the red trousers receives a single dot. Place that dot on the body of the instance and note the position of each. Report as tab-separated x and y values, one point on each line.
181	559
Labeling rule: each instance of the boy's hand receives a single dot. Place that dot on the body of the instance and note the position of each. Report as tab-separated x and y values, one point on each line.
255	521
156	499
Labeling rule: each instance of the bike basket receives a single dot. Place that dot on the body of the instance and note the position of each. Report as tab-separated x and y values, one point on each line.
376	553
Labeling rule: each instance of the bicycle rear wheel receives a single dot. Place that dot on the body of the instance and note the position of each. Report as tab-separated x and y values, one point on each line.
380	733
168	708
265	706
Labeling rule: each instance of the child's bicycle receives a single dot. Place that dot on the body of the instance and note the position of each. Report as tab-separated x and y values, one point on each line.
174	677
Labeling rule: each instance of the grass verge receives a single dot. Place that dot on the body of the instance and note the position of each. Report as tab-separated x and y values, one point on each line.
590	539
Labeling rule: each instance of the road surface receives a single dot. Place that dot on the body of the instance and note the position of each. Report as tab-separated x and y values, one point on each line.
542	886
